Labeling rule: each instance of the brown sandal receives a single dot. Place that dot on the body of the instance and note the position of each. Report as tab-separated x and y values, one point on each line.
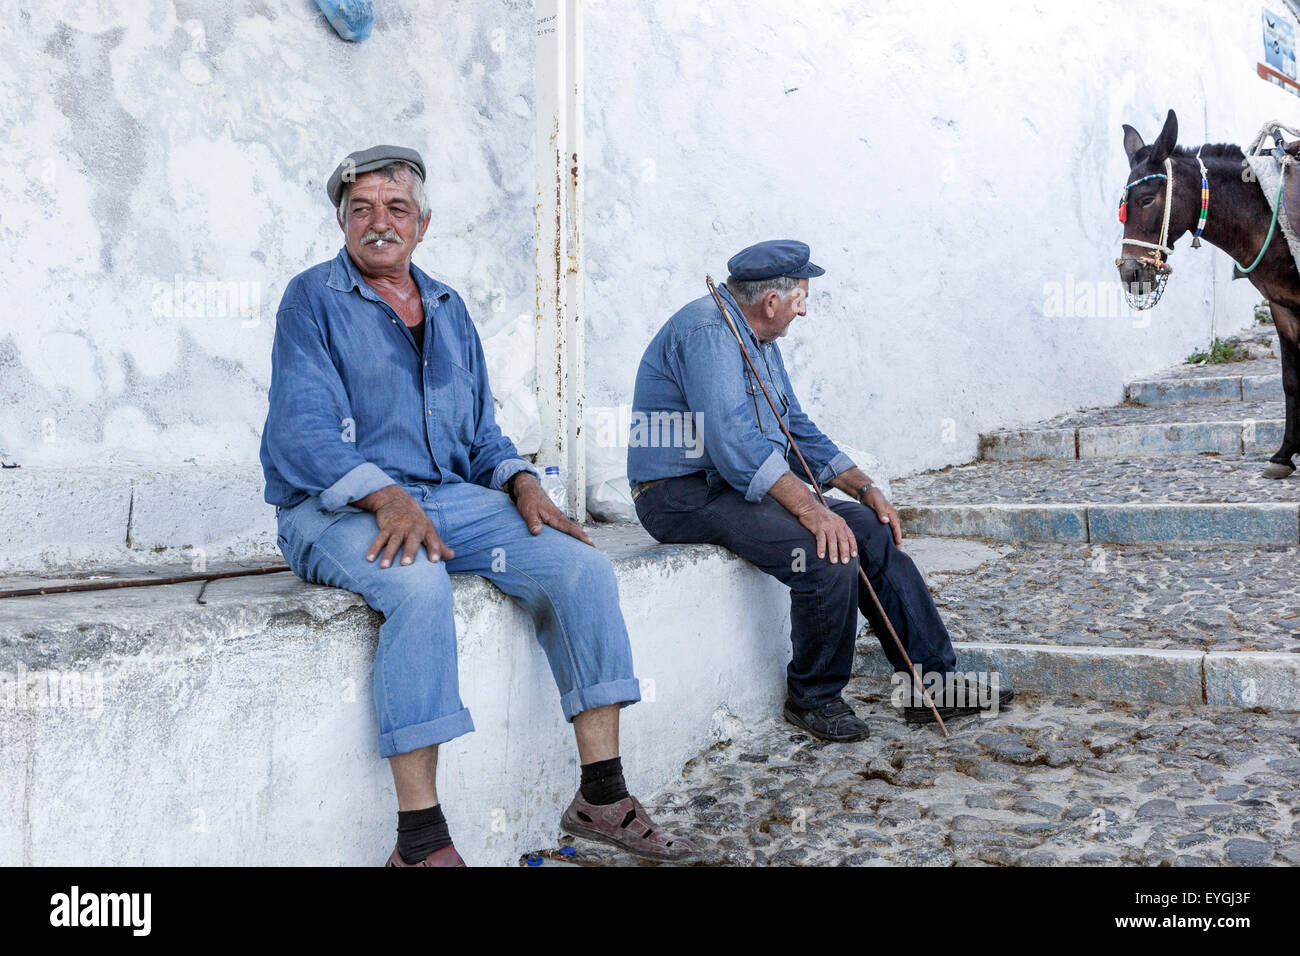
447	856
625	824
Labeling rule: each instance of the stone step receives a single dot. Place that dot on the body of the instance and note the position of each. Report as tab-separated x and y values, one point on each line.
1109	524
1099	500
1240	679
1159	623
1125	432
1207	389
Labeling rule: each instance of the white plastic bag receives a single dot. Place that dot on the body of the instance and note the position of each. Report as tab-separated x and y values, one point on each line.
608	496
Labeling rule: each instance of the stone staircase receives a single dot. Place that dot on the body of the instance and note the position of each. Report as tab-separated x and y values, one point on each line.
1133	553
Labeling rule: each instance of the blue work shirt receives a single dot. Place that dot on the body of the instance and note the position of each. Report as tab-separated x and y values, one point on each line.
356	406
696	407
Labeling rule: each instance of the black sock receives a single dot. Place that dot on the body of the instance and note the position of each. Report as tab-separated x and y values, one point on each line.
420	832
602	782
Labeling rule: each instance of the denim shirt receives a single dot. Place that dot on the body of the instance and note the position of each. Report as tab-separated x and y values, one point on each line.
696	407
356	406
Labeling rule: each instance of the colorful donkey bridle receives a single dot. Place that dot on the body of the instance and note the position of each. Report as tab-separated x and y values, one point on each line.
1161	247
1147	299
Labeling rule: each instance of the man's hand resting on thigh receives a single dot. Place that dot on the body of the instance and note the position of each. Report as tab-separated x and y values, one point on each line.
537	509
834	537
403	526
877	502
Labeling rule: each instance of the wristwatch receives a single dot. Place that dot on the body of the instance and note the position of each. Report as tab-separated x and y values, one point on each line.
510	482
864	489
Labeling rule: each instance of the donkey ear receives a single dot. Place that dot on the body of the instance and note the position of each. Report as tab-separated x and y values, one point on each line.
1133	142
1166	141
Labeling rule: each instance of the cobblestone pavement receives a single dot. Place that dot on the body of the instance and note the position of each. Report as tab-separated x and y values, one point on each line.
1189	597
1164	414
1186	478
1046	782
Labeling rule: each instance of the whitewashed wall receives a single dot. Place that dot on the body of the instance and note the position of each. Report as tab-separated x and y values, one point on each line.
945	163
146	141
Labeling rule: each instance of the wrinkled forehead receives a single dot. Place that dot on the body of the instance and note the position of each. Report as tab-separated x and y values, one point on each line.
383	185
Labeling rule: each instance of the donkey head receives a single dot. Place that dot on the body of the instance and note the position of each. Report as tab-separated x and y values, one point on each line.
1143	271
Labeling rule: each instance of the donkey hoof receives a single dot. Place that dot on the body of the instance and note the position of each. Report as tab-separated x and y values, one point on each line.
1274	470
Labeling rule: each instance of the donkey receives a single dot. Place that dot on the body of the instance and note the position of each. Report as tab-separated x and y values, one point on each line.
1237	222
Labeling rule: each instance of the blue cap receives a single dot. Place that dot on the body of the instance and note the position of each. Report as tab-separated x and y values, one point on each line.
776	257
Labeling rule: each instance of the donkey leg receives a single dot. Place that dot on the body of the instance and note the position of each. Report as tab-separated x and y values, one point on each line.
1287	321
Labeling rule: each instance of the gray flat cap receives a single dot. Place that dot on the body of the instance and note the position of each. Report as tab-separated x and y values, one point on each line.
365	160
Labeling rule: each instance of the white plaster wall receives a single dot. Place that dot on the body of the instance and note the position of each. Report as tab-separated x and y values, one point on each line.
945	163
146	141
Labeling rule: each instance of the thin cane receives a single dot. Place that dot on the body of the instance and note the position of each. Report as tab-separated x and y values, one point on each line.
713	290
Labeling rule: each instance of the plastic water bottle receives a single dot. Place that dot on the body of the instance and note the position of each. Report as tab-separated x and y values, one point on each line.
556	487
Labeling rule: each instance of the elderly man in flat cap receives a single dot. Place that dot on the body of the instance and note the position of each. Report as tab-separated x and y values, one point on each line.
388	472
737	484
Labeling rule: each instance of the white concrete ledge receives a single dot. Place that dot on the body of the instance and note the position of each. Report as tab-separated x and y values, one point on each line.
242	731
54	519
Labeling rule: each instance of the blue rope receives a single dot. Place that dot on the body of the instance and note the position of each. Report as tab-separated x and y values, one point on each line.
1144	179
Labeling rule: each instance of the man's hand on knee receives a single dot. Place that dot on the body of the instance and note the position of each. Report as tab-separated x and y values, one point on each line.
834	536
403	526
877	502
537	509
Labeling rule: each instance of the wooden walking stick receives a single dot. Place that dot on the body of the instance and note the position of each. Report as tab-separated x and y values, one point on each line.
722	307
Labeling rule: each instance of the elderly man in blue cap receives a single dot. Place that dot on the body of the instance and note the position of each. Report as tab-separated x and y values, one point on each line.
388	472
742	487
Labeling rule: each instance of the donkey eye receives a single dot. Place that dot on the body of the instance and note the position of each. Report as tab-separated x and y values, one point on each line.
1148	201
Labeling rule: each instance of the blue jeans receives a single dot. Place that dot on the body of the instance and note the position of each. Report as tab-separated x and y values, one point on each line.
568	587
824	598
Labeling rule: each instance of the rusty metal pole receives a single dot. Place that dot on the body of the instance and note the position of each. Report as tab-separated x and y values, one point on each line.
561	355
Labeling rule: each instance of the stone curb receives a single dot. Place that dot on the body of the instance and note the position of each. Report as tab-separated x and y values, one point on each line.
1133	441
1204	391
1245	679
1132	523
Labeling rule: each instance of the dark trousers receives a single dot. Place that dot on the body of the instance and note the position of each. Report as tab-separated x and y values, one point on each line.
824	597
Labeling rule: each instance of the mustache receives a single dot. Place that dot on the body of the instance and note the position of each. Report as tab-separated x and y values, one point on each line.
373	237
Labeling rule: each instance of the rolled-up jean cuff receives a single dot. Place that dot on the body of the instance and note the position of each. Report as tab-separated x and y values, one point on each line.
624	692
438	731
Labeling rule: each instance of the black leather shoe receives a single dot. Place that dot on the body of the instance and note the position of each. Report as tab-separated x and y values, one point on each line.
923	714
961	705
835	721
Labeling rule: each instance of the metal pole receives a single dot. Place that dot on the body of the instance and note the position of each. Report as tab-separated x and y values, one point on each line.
560	277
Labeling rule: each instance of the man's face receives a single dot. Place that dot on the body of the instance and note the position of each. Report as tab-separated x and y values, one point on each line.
381	221
785	310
